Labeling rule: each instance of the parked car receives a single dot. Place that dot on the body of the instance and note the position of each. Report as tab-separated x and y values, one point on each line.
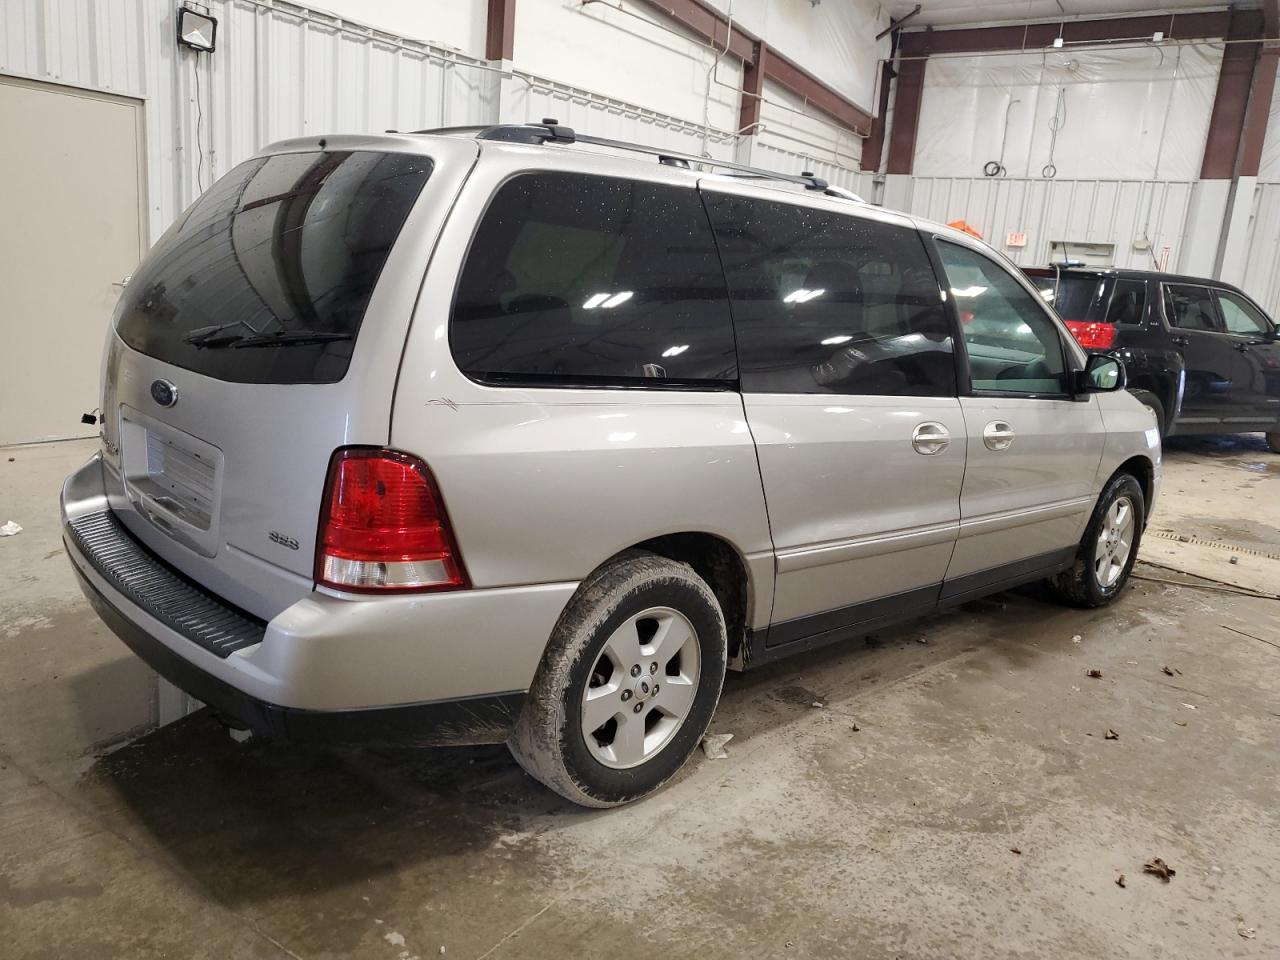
1200	353
481	436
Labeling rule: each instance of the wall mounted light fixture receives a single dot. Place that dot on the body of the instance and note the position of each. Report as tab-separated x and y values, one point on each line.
196	30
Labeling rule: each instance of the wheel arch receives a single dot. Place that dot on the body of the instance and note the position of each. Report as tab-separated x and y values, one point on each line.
1143	470
718	562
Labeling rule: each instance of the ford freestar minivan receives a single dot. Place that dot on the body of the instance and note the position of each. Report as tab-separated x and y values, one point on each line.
510	435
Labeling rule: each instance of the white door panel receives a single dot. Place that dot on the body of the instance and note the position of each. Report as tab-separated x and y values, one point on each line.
71	193
856	513
1032	494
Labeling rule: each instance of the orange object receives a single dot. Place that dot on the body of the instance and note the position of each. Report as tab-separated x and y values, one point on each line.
962	225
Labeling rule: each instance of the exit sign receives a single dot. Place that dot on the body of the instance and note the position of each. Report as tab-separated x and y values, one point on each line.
1015	240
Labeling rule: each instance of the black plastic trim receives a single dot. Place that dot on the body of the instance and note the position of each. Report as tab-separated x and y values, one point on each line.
831	626
180	604
1006	576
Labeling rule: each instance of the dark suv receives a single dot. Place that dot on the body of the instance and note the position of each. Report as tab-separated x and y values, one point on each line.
1200	353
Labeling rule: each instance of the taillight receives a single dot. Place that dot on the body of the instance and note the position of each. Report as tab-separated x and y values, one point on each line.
1093	336
383	527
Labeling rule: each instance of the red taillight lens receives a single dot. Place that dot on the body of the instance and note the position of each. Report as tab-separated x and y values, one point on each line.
1093	336
383	527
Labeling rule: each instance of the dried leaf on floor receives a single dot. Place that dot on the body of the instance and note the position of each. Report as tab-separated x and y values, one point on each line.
1112	735
1093	674
1181	723
855	728
1120	880
1248	933
1159	868
1016	850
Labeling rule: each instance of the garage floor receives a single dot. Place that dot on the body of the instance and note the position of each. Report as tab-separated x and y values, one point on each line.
942	790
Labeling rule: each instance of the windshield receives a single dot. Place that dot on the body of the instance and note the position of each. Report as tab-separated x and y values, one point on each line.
280	256
1073	296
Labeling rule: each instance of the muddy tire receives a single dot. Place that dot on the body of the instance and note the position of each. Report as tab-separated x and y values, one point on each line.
628	684
1109	547
1152	403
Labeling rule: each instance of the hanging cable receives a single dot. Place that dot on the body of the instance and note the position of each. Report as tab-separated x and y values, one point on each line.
195	70
995	168
1056	123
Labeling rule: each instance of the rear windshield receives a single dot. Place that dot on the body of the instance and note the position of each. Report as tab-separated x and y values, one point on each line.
268	277
1074	296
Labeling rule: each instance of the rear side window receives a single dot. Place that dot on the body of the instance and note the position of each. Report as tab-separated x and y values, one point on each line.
1190	307
1128	302
1240	316
580	280
268	277
825	302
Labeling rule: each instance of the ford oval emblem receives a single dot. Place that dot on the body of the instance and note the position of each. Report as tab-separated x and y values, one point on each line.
164	393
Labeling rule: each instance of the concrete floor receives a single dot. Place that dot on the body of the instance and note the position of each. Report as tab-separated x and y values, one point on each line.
953	796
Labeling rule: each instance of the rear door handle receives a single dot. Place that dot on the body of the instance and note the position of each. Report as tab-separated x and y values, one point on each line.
930	437
997	435
1180	341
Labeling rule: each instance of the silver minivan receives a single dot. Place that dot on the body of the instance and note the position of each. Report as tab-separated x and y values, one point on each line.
508	434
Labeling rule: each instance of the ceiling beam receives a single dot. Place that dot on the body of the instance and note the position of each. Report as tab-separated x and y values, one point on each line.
500	30
1037	36
711	26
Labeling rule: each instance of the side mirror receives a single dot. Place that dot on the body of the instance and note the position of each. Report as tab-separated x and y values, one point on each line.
1103	374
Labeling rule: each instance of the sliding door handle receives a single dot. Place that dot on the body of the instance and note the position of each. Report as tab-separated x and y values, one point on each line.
930	437
997	435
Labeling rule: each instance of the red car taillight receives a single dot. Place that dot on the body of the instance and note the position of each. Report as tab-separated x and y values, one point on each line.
1093	336
383	527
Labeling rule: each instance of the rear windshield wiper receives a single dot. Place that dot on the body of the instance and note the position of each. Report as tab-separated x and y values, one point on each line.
291	338
216	336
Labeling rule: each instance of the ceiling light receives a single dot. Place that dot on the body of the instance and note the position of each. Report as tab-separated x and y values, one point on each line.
198	31
968	291
617	298
595	300
675	351
836	341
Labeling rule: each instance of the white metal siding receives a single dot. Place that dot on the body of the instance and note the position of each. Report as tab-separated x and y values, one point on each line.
1105	211
1262	268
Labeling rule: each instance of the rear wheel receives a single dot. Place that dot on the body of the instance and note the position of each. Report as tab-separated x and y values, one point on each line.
628	684
1109	547
1273	441
1152	403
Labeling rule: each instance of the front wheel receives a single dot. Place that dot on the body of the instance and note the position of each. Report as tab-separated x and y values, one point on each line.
1109	547
628	684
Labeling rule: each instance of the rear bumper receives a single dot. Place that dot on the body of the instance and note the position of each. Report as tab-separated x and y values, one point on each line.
447	668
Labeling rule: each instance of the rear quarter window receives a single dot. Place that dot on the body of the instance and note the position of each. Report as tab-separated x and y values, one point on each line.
580	280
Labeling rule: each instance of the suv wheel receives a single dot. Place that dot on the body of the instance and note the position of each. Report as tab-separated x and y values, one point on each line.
1109	547
1152	403
628	684
1273	441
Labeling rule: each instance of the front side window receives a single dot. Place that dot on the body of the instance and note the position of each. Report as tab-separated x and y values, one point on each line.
578	280
826	302
1189	307
1240	316
1013	345
268	278
1128	302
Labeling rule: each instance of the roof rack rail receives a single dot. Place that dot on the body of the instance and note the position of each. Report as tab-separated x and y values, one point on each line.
551	130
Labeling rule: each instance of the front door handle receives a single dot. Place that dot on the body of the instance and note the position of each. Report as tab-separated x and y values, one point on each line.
1243	347
997	435
930	437
1180	341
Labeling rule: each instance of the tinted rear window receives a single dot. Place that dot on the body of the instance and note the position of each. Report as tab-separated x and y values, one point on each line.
581	280
1074	296
826	302
268	278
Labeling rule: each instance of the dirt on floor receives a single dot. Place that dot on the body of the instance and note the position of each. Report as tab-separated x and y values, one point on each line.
963	787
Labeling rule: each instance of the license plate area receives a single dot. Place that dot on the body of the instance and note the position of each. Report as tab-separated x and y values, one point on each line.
172	478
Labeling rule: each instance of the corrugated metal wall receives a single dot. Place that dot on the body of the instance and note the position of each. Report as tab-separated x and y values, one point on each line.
1105	211
1262	269
282	70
